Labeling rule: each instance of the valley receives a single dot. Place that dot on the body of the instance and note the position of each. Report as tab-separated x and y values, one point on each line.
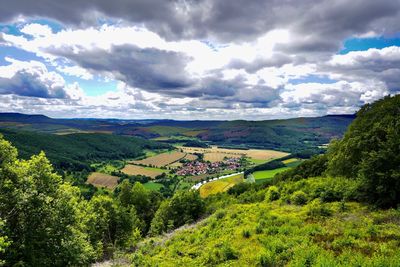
183	200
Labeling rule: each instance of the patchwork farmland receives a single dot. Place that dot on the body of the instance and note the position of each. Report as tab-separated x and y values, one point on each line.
102	180
215	154
161	160
139	170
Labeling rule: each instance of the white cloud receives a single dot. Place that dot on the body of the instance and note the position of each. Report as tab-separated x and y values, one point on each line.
36	30
32	78
370	56
339	94
235	80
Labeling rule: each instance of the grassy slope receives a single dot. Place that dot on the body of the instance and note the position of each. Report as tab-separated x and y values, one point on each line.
270	234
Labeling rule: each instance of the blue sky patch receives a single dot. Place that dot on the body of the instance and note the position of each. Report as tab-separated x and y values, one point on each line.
312	79
93	87
16	53
362	44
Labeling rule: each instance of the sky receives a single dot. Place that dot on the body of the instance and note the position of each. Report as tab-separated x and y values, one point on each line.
197	59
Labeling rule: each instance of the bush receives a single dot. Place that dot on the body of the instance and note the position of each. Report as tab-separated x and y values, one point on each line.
220	214
266	260
272	194
246	233
299	198
318	209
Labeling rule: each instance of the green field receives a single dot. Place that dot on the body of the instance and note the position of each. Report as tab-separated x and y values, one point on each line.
262	176
153	186
108	167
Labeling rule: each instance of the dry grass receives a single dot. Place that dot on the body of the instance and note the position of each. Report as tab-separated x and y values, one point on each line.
176	165
102	180
190	157
220	185
139	170
161	160
214	154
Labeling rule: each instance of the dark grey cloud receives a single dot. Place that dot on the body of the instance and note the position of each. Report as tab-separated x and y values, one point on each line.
163	72
28	83
148	68
317	30
276	60
226	20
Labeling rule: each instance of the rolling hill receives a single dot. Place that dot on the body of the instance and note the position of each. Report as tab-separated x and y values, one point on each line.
291	135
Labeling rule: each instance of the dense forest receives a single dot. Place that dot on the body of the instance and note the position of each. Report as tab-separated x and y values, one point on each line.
334	209
75	152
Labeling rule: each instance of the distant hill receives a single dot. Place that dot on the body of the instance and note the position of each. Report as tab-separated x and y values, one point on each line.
289	135
77	151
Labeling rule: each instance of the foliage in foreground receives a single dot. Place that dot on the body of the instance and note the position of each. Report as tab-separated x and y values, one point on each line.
46	222
271	234
370	152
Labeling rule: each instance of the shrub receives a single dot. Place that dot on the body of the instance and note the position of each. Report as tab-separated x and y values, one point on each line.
318	209
220	214
299	198
266	260
259	229
246	233
272	193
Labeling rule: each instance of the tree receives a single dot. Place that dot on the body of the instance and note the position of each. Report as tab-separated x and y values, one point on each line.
44	218
184	207
370	152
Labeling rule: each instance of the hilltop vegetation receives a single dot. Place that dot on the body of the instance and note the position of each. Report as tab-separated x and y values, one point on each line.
320	213
46	222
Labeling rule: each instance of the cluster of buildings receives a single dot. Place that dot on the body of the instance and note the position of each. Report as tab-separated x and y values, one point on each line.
199	167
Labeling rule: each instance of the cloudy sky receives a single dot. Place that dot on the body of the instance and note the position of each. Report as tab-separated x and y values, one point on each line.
197	59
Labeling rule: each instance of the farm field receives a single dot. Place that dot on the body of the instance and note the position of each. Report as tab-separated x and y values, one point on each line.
153	186
190	157
161	160
220	185
261	176
214	153
139	170
102	180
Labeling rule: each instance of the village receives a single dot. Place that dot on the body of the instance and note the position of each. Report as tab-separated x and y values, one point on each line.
199	167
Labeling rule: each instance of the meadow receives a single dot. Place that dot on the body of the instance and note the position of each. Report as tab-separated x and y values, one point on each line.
153	186
262	176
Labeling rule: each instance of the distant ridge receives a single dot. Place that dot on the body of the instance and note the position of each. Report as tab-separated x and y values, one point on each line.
16	115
